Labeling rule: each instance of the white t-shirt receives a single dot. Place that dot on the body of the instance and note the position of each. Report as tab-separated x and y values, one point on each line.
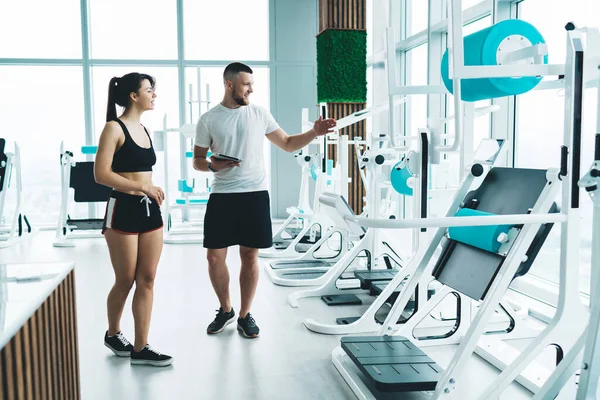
240	133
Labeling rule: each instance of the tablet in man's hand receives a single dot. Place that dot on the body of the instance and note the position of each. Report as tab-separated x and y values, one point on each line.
226	158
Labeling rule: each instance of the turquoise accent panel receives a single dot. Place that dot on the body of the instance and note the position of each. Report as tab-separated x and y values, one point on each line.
89	149
482	237
191	201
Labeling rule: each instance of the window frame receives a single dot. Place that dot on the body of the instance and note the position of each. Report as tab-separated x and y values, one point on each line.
86	62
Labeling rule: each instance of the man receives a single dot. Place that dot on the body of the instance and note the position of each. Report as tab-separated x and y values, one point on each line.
238	211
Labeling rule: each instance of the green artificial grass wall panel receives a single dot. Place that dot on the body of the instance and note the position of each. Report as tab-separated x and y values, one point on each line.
342	66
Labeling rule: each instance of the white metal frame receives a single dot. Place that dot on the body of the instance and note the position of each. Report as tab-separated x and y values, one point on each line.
590	367
187	231
340	179
371	243
566	329
277	276
311	217
311	221
584	353
329	282
9	233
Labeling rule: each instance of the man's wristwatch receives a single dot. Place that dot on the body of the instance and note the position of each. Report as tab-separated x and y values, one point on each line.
210	168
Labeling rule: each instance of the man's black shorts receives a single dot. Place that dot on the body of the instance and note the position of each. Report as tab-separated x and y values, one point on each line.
238	219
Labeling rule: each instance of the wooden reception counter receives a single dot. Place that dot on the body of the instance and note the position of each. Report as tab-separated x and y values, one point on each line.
38	332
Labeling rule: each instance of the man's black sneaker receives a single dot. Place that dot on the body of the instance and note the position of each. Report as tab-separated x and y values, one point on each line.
118	344
248	327
149	356
221	321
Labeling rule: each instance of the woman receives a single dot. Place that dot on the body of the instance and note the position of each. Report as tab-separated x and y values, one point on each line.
133	222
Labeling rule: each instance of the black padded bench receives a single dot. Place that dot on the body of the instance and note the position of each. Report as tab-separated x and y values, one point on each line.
85	224
86	190
392	363
367	278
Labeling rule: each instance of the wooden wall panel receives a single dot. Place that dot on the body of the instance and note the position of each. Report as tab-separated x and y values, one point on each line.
342	14
41	360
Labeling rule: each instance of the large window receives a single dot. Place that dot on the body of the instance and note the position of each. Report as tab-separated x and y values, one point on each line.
226	30
29	29
540	123
43	98
41	106
418	15
133	29
416	60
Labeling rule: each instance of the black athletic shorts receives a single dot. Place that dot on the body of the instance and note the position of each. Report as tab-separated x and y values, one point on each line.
131	214
238	219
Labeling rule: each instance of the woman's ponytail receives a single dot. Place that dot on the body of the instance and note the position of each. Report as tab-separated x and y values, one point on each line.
111	108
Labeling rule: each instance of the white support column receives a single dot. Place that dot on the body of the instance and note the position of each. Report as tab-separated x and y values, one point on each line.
590	374
466	150
435	102
199	95
502	122
167	204
402	26
342	164
456	64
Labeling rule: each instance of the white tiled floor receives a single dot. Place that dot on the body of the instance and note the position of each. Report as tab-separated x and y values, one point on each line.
286	362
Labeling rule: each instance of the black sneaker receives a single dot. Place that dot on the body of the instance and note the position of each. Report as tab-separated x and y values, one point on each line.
118	344
149	356
248	326
221	321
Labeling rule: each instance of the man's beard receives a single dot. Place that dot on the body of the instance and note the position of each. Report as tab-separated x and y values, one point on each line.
240	100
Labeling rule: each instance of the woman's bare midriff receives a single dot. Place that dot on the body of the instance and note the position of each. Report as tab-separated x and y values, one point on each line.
142	177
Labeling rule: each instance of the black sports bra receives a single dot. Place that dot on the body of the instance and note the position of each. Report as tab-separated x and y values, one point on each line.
131	157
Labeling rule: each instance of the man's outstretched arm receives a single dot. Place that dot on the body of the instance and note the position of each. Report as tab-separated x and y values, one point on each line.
295	142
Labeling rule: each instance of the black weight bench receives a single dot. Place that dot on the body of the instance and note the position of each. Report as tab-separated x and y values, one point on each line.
367	278
392	364
86	190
